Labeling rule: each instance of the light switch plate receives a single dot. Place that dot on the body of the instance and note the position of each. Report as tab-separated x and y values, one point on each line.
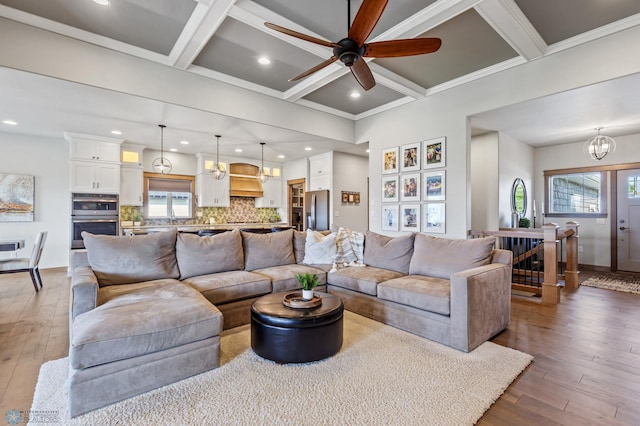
600	221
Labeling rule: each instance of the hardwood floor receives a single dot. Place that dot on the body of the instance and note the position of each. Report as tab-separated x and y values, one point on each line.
586	368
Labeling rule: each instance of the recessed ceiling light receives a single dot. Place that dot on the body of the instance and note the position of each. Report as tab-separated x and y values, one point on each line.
184	142
238	150
10	123
102	2
173	150
308	148
280	156
116	132
263	60
367	150
355	94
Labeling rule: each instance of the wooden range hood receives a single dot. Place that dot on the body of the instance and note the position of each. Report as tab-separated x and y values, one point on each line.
244	181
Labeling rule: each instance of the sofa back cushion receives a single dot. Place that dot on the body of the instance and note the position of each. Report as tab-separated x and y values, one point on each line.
441	257
267	250
132	259
210	254
393	253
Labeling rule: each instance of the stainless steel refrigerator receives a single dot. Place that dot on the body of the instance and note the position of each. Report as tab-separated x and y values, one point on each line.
316	210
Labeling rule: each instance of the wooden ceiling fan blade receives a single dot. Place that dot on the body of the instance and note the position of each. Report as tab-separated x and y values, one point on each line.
301	36
403	47
314	69
366	19
362	73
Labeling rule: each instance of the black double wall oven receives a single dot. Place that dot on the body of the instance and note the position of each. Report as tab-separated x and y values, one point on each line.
94	213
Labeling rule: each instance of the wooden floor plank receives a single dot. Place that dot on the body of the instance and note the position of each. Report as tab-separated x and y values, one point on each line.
586	367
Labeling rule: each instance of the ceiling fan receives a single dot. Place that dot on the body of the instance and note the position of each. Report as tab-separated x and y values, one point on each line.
352	49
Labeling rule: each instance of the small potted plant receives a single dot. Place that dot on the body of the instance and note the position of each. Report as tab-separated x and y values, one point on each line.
136	219
308	282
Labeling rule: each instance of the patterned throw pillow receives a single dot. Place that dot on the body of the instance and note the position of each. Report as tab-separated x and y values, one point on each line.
350	247
319	249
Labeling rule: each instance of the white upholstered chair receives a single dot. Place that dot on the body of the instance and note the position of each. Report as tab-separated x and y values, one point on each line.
14	265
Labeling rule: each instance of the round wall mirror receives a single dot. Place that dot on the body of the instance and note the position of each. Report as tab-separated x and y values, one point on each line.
519	197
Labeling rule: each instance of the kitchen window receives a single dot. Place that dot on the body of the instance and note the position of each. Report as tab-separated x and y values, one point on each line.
168	196
580	193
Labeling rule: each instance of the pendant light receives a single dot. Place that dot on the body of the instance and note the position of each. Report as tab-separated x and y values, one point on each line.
599	146
161	165
262	175
218	169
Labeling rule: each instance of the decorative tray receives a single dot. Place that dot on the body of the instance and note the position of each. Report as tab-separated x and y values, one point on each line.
295	300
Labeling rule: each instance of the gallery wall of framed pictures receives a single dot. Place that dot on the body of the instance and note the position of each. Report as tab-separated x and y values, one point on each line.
414	187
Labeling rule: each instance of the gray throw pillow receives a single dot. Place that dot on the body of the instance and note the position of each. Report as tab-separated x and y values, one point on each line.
267	250
392	253
132	259
299	240
208	255
441	257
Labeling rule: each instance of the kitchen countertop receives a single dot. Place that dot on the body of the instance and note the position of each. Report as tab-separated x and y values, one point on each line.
143	229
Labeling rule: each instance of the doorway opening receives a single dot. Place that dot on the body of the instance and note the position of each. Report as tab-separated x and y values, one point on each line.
295	202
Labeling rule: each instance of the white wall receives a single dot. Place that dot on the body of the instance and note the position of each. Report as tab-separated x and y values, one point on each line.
47	160
595	238
484	182
350	173
515	161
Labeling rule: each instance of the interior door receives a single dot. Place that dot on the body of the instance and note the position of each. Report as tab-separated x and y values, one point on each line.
628	220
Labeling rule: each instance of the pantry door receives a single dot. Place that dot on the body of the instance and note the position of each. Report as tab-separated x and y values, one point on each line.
628	220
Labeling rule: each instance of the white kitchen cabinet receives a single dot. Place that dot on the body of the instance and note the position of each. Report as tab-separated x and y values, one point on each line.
211	192
320	171
271	194
131	155
131	186
95	177
94	150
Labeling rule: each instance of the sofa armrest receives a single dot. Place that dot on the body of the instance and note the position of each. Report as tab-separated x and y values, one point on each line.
84	291
502	256
480	304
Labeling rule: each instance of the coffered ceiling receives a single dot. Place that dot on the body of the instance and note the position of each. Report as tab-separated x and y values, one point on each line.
223	39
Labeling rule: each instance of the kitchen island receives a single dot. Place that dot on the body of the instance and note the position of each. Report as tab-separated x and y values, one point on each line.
194	229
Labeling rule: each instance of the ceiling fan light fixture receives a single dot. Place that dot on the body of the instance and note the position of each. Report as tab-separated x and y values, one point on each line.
263	176
218	170
161	165
599	146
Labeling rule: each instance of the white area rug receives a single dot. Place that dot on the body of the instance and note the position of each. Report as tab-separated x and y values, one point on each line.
629	283
381	376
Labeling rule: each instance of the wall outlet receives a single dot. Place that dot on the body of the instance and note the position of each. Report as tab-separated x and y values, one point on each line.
579	249
198	214
337	213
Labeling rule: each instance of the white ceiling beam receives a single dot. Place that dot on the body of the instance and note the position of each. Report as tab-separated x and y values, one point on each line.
316	81
202	24
396	82
506	18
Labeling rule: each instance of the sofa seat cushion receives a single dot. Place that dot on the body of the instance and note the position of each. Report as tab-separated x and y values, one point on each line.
425	293
361	279
142	318
283	278
209	254
225	287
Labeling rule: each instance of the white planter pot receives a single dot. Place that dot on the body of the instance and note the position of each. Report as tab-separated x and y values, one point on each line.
307	294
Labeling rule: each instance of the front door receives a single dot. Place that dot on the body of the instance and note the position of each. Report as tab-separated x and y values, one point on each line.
628	220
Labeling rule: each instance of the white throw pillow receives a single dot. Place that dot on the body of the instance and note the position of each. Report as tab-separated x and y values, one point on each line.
350	248
319	249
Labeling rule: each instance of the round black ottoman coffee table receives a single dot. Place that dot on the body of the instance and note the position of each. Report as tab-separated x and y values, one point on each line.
283	334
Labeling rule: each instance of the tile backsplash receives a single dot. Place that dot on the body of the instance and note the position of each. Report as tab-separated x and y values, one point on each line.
242	209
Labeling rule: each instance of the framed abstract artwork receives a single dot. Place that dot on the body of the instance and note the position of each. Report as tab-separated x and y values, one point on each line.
16	197
389	189
390	218
410	217
434	186
434	218
434	153
390	160
410	157
410	187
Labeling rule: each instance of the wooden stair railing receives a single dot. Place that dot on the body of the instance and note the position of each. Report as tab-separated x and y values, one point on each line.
527	245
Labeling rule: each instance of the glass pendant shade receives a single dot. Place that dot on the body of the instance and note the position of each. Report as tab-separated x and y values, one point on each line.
599	146
161	165
263	176
218	170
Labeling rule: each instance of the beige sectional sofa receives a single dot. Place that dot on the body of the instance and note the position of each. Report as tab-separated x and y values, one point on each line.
148	310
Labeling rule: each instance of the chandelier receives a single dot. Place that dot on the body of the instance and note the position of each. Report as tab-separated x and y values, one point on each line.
263	176
161	165
218	169
599	146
